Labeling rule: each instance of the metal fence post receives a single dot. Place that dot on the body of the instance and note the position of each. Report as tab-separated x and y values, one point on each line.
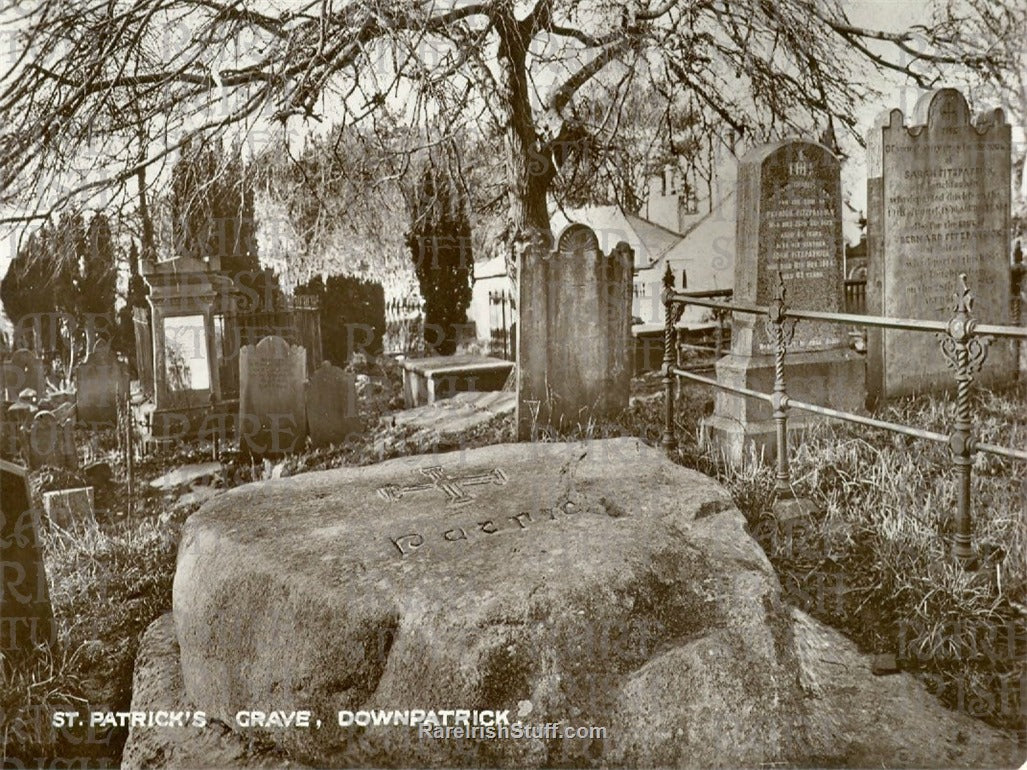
965	353
672	311
781	333
1016	275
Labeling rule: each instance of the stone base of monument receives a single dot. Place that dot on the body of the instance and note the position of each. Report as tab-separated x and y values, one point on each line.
587	584
740	426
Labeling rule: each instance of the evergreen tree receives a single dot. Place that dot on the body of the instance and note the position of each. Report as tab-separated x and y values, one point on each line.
98	279
440	245
212	208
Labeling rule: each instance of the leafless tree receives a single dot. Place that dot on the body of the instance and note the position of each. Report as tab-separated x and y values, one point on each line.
99	91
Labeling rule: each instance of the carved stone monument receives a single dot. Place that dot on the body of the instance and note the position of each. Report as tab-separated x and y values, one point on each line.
574	349
938	195
789	232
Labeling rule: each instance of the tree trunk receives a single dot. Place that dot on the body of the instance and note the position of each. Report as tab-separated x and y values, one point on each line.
529	166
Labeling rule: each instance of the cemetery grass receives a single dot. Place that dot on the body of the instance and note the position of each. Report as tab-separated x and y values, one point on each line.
872	559
107	583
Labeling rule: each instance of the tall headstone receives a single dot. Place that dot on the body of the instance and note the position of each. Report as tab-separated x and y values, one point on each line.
102	383
938	196
272	412
574	348
331	397
789	230
26	615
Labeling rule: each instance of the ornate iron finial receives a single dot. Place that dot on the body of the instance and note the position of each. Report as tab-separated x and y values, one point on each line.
781	291
962	324
964	351
668	278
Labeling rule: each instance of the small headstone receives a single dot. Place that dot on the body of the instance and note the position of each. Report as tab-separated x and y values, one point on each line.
789	233
67	507
50	442
272	413
26	615
331	396
938	196
103	384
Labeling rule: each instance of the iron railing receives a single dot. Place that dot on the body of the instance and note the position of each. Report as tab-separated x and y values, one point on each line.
502	316
964	343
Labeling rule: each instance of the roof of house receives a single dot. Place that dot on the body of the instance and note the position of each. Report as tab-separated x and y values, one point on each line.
706	252
613	225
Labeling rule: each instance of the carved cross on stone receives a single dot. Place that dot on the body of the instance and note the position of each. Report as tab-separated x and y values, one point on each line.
451	486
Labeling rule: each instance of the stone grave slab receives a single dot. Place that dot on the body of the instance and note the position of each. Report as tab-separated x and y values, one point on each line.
272	412
938	195
68	507
789	232
102	382
331	402
462	412
26	615
426	380
187	475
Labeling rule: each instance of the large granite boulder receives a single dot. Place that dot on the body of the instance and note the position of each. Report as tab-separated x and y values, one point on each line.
582	585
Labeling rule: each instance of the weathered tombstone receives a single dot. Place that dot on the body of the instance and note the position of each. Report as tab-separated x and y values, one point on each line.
574	347
331	397
48	441
938	196
789	230
102	385
26	615
67	507
272	413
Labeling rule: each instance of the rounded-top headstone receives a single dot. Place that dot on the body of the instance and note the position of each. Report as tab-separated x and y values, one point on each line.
939	198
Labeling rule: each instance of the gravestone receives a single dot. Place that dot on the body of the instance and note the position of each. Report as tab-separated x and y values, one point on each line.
789	230
574	347
49	441
331	398
103	383
272	413
938	195
26	615
67	507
